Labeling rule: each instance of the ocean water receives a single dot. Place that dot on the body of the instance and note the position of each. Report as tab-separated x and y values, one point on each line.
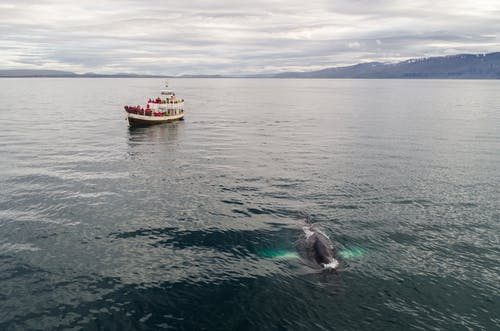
194	225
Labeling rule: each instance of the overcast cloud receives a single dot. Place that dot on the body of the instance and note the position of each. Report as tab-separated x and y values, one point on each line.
237	37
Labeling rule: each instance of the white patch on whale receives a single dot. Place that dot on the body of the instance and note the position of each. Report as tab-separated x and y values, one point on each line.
307	231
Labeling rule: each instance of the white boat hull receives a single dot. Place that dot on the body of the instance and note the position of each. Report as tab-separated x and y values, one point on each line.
143	120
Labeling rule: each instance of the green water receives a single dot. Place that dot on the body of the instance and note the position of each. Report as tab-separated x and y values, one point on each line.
352	253
278	254
346	254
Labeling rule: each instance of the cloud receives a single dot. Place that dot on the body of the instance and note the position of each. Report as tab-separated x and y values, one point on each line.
204	36
354	44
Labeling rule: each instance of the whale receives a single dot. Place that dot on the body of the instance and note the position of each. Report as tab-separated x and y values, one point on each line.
317	248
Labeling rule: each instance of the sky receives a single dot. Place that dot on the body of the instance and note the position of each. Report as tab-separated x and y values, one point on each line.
238	37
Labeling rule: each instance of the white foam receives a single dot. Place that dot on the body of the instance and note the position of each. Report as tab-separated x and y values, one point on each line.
332	265
32	216
10	247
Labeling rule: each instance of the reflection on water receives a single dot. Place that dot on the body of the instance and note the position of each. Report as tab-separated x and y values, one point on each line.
163	138
157	134
194	224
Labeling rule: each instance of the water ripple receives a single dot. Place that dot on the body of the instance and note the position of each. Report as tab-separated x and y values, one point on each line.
109	227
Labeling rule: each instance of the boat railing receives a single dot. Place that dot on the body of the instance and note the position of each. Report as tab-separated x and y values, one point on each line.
167	101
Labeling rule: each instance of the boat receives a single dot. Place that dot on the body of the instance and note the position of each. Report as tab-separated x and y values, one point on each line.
164	109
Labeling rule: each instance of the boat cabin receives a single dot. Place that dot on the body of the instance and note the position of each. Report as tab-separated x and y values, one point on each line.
168	93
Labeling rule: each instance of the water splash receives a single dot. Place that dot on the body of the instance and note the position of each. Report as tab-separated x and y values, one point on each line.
330	266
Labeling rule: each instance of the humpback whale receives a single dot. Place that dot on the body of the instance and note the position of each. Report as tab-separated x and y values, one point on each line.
318	248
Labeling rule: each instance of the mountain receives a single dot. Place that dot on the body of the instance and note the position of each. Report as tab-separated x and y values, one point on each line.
462	66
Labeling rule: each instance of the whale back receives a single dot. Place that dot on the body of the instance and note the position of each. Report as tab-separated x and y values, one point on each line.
323	250
317	248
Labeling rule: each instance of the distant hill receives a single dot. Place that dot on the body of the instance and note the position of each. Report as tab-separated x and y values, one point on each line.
463	66
36	73
59	73
202	76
